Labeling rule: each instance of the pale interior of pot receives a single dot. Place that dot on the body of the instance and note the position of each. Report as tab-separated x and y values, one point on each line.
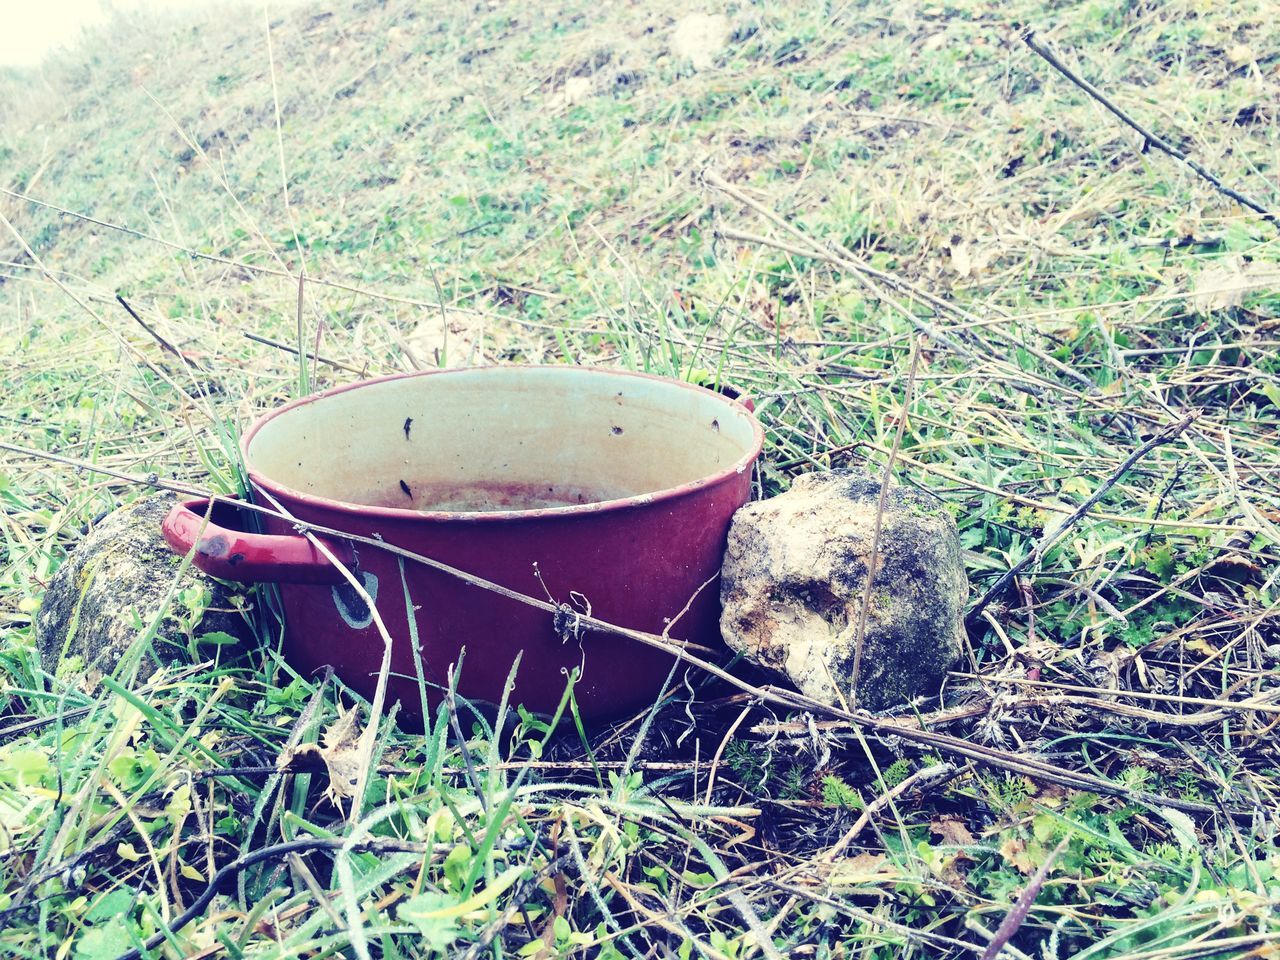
502	438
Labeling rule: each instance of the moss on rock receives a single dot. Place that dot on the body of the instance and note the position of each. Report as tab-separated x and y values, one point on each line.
111	586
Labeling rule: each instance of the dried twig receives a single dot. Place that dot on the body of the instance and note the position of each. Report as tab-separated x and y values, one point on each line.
1264	703
724	742
518	900
304	384
310	356
873	560
913	934
240	264
463	747
846	260
155	334
1049	539
115	334
929	776
274	852
1014	919
1149	139
930	331
369	737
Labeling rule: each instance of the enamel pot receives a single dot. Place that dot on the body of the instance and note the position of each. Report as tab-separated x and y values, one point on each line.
603	491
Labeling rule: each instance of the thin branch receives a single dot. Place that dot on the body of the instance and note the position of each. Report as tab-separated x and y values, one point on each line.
927	778
463	746
848	261
812	253
240	264
1049	539
310	356
1015	917
1149	139
873	559
304	384
155	334
931	776
279	850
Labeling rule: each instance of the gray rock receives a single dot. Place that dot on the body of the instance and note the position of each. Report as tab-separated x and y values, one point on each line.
116	579
794	578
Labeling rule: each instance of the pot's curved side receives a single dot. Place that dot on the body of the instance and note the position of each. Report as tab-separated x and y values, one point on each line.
651	557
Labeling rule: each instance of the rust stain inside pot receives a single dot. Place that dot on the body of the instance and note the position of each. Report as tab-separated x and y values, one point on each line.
487	497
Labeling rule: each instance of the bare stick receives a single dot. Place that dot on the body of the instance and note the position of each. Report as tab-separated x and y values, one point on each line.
311	356
217	882
1015	917
238	264
304	385
846	260
929	776
1149	139
872	560
155	335
369	737
125	345
724	742
1049	539
811	253
284	175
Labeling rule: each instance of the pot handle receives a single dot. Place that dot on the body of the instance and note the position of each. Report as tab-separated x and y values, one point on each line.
246	557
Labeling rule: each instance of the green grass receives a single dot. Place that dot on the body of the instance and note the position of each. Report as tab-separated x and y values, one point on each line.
435	166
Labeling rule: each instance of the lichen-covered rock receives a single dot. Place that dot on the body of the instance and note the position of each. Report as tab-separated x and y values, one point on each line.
795	575
112	585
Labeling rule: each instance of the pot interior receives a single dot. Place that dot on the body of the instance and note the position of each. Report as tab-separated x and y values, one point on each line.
502	438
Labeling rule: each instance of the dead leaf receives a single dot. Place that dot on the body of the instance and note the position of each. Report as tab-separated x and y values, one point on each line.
860	869
952	830
1240	54
936	42
1219	287
961	262
1016	853
340	753
1201	646
430	343
1224	285
576	90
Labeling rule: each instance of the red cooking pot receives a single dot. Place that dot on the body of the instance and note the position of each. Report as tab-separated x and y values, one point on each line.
608	491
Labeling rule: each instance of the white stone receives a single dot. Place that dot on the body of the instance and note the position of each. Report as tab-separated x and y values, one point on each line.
699	37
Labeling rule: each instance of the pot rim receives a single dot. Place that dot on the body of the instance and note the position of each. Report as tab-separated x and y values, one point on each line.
276	489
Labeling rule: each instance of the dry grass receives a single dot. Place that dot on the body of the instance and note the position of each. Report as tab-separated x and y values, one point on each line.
1085	298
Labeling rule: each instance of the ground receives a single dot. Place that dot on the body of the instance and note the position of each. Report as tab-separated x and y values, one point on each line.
839	189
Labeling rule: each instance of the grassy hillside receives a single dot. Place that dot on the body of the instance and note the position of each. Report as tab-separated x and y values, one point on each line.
836	188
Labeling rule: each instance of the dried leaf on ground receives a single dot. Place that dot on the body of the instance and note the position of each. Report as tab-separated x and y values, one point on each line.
862	868
1225	284
952	830
1017	855
340	753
